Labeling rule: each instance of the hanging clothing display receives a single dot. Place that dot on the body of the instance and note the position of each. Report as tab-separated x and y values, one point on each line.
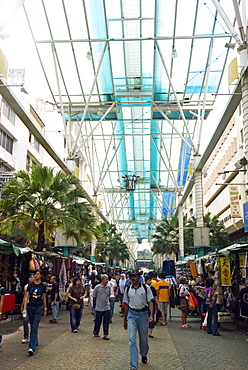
62	276
243	298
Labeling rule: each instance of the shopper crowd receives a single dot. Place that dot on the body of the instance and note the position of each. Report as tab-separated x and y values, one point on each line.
144	302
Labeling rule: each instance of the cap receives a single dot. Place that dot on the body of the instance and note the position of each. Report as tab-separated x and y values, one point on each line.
134	273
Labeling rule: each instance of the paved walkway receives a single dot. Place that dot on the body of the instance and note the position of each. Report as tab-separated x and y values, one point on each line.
172	347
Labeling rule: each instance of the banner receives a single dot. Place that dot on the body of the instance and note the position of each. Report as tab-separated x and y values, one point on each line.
225	271
193	270
234	201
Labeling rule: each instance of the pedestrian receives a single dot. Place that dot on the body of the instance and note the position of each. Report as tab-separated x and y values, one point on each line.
137	298
55	300
148	280
122	283
163	291
76	296
25	316
35	306
2	293
200	294
212	318
94	284
184	294
113	285
101	295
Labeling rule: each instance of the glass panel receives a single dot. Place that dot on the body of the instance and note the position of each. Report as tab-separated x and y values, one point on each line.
56	19
76	19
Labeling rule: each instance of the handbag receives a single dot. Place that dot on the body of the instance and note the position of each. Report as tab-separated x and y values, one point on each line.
191	303
76	306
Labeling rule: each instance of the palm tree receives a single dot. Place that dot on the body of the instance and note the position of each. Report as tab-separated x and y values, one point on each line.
165	240
40	202
110	245
166	237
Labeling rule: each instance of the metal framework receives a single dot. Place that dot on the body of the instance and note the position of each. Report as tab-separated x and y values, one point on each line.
135	81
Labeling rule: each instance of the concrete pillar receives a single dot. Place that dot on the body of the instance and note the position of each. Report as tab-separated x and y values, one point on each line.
198	199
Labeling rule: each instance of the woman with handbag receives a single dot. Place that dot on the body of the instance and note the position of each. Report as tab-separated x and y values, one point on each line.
184	294
76	297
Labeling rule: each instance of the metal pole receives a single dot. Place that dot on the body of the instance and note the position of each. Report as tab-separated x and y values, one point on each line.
175	96
180	224
227	22
99	122
89	97
60	96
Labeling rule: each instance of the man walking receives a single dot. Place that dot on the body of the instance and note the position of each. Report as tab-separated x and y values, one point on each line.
163	292
137	298
55	299
101	294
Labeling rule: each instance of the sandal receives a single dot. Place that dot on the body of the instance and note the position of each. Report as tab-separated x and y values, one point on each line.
96	335
106	338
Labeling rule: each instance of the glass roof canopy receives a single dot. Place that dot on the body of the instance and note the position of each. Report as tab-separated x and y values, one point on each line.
135	81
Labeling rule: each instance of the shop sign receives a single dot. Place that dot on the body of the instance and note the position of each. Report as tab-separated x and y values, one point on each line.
193	270
245	208
242	257
225	271
234	201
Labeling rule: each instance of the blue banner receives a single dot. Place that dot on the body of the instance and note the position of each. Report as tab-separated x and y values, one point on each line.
245	208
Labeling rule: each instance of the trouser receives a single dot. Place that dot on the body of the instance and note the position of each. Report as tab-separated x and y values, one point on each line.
55	310
75	318
34	315
105	315
25	327
212	320
112	307
121	296
201	306
137	321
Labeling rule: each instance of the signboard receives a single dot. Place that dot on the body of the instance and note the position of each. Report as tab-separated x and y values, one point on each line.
242	257
201	236
225	271
245	208
233	71
193	270
234	201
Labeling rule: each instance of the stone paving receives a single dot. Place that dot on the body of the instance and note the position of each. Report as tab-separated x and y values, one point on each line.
172	347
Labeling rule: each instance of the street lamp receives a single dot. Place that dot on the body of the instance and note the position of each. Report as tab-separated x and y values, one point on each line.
130	182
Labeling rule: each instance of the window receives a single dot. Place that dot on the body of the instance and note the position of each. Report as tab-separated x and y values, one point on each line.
4	168
30	162
34	141
8	112
6	141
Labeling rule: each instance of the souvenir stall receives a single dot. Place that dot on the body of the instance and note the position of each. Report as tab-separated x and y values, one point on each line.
236	293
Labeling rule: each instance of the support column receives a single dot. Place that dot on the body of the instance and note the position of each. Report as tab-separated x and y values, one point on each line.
198	199
180	224
94	240
244	91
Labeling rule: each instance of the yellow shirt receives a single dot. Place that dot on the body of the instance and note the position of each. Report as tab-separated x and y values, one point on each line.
163	291
155	284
